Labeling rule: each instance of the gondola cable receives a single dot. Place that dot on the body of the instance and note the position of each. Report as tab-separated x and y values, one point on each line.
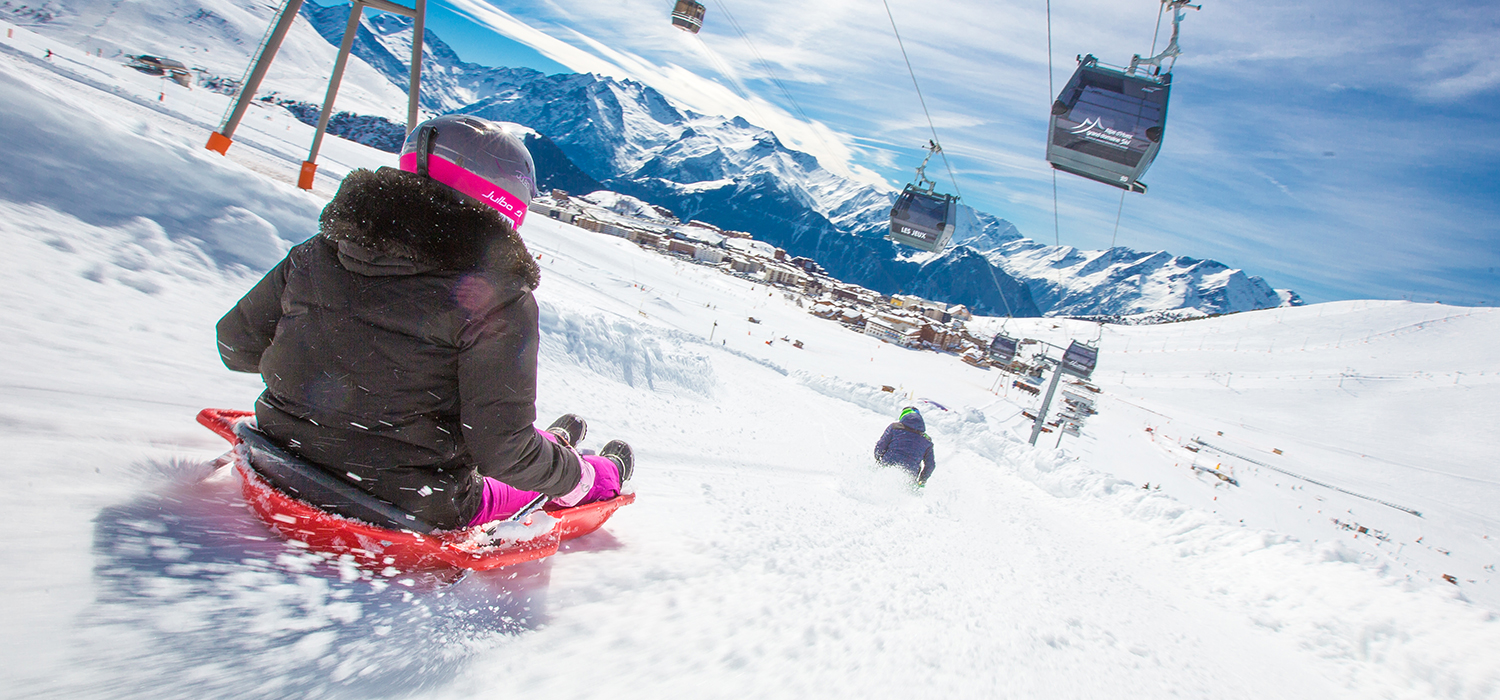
723	67
1160	9
1155	36
1056	224
1003	300
723	5
1118	212
920	99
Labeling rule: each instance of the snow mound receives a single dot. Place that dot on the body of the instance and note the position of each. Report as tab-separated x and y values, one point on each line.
110	172
626	352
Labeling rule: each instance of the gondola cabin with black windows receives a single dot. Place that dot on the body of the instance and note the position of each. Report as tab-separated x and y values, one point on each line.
922	217
1080	359
1107	124
1003	349
923	220
687	15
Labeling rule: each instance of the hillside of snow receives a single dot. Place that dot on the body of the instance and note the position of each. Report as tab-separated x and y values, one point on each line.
766	556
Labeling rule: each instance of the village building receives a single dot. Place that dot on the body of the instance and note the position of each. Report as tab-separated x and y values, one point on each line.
809	266
553	208
745	264
890	329
645	238
166	67
824	309
775	273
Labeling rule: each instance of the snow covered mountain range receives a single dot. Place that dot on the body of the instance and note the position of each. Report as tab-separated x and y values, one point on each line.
733	174
627	137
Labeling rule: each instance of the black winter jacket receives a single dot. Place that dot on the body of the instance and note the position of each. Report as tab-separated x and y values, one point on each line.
399	349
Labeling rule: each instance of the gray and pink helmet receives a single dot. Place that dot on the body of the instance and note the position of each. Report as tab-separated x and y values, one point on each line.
477	157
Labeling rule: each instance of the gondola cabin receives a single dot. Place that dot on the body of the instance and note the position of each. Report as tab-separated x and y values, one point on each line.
1002	349
1107	124
1079	360
924	220
688	15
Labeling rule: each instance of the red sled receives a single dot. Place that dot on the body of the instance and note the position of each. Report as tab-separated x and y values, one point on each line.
376	533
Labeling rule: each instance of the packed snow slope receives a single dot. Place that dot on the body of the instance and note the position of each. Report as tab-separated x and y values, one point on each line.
766	555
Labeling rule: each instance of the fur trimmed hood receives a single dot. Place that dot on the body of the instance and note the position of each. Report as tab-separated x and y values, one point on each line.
404	223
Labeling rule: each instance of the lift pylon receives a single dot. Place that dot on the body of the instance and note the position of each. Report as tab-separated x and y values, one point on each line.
222	139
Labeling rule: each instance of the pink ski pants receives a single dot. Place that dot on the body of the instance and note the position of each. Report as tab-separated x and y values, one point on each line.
501	500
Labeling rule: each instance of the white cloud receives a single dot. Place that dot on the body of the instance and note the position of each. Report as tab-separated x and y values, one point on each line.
1262	91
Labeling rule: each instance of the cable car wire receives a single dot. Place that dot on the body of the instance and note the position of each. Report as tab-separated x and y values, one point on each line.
1056	225
998	288
724	6
734	83
1118	212
914	84
1157	34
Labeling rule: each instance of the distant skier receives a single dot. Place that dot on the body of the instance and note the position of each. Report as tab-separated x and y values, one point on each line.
399	345
905	445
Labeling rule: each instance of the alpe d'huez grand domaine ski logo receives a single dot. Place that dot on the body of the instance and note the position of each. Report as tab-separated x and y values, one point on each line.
1094	131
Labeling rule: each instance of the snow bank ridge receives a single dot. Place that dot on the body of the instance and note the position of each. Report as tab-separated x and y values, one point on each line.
619	349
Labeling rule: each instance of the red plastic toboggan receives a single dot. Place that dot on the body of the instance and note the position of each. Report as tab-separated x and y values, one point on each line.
320	531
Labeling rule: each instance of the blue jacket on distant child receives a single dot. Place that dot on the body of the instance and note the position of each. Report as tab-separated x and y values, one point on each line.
905	445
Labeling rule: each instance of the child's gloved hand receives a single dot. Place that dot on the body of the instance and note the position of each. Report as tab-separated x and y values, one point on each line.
562	436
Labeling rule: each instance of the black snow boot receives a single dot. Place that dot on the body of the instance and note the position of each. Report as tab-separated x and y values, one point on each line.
620	453
569	428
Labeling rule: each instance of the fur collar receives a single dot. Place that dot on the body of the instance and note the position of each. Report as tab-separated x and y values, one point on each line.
404	215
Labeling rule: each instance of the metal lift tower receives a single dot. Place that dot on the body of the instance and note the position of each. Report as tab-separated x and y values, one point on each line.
221	140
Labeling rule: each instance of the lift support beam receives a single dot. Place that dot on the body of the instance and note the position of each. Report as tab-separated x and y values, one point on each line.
222	139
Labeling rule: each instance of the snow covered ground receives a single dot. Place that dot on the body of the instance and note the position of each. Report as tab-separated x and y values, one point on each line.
766	555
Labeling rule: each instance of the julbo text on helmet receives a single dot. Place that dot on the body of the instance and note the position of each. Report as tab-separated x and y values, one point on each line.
477	157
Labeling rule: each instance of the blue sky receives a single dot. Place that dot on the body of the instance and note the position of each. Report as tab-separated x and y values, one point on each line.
1343	149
